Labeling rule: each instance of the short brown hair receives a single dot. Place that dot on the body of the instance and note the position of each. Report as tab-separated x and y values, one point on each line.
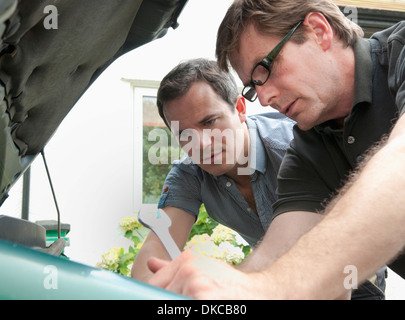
276	18
179	80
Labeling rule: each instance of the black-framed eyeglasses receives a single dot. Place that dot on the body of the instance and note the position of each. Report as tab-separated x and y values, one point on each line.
262	70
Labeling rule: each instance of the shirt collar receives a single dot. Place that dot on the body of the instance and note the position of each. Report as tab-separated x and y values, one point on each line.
257	152
363	80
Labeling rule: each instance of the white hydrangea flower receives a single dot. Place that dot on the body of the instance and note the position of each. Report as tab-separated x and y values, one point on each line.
109	260
222	233
230	253
203	244
240	241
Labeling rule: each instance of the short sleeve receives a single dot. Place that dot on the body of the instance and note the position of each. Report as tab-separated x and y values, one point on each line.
396	51
400	80
182	189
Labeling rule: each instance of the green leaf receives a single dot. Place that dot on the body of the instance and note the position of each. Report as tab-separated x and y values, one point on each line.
128	234
247	250
204	224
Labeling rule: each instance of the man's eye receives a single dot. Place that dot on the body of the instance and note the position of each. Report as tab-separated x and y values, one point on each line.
210	122
187	135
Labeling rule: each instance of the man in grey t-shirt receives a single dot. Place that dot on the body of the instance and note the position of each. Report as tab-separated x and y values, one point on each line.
232	160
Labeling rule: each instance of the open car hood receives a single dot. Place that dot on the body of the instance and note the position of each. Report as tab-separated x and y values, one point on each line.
50	53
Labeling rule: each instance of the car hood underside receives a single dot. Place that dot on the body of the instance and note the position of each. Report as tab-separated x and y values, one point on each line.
48	61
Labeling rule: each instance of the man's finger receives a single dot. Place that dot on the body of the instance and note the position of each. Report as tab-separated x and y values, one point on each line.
155	264
165	271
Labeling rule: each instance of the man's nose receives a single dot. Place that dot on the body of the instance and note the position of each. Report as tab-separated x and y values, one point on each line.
205	137
267	94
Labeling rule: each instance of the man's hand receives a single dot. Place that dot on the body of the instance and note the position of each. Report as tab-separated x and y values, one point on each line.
200	277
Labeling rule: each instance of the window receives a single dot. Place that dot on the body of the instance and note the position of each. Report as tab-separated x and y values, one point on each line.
154	146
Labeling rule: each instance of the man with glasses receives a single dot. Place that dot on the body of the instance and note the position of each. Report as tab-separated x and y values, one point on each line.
347	95
261	71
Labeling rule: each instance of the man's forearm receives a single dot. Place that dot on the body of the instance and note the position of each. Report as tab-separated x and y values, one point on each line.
363	229
283	232
140	270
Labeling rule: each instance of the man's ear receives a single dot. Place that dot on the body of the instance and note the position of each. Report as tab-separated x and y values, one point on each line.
320	28
241	108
